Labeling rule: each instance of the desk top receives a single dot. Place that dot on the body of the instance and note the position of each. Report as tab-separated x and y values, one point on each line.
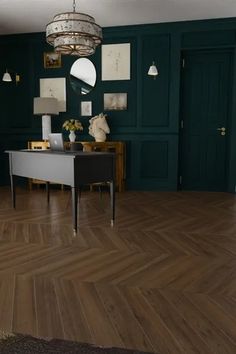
64	153
74	168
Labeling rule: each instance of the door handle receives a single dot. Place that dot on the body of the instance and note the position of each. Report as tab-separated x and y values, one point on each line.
222	130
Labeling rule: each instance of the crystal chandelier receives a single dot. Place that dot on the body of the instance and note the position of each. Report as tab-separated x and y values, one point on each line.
74	33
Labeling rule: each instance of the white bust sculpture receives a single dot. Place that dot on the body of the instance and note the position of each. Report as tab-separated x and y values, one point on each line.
98	127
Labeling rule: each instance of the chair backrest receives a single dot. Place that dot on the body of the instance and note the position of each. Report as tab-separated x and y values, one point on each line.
76	146
38	145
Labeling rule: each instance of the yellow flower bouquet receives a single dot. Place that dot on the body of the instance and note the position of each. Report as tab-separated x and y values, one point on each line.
72	125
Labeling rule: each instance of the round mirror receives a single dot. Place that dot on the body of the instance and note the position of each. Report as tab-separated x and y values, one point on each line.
83	76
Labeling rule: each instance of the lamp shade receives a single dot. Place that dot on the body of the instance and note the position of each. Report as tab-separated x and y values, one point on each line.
153	70
6	77
45	105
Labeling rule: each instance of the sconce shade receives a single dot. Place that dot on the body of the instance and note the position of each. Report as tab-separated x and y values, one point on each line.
45	105
153	70
6	77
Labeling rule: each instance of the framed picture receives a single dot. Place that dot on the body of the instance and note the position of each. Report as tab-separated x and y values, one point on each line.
115	101
55	87
116	61
52	60
86	108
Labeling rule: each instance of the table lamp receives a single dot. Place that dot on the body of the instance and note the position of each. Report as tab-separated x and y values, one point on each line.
46	106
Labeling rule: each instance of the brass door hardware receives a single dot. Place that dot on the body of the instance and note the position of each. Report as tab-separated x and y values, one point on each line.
222	130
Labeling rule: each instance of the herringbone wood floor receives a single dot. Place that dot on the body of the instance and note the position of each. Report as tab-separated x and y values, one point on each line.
162	280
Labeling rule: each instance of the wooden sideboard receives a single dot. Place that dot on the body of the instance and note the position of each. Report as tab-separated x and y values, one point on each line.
118	147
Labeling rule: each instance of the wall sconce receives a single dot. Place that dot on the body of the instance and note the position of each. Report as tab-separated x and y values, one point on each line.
153	70
7	77
45	106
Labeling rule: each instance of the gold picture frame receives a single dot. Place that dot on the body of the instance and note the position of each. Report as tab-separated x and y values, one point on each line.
52	60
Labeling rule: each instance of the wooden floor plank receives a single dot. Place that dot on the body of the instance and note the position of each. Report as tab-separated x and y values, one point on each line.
24	311
49	321
161	280
99	323
188	339
74	322
218	316
211	335
7	292
153	325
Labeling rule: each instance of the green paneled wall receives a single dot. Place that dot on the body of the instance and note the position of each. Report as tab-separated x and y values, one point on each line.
154	159
155	92
150	125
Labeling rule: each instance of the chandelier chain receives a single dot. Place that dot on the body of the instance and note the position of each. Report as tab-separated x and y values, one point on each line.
74	5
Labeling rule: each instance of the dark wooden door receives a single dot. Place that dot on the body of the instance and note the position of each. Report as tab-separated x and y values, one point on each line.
206	83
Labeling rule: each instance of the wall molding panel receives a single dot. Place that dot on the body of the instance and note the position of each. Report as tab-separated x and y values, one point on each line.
151	124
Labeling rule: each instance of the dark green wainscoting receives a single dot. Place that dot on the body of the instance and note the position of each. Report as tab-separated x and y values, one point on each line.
151	124
152	161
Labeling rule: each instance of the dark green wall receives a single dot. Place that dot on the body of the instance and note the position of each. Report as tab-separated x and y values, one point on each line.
150	126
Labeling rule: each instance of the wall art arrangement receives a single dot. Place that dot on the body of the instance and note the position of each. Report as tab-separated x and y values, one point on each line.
52	60
116	61
86	108
55	87
115	101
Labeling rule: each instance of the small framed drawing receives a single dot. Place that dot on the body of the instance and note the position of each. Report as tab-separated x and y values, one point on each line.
54	87
116	61
115	101
86	108
52	60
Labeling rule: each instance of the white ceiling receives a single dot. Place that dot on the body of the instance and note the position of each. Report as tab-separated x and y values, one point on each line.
24	16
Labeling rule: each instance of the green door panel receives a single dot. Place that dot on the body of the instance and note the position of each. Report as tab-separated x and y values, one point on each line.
206	81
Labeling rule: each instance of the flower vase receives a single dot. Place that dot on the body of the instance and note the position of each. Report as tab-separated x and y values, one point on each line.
72	136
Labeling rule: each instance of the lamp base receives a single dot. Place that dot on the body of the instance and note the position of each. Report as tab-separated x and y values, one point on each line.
46	126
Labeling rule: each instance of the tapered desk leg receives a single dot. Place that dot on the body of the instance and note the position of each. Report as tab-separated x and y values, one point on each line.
112	196
74	194
48	191
13	191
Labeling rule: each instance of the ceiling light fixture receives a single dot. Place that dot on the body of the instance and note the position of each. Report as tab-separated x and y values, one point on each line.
74	33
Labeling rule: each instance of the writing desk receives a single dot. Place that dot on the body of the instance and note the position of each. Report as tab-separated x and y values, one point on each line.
73	169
